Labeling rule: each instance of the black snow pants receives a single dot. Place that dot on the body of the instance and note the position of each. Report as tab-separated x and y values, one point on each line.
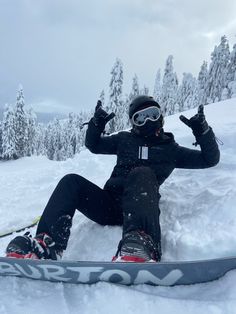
136	209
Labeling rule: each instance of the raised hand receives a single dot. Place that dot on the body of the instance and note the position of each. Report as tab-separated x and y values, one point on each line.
197	123
101	117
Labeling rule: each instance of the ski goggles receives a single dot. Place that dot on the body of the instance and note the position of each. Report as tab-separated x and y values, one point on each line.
140	117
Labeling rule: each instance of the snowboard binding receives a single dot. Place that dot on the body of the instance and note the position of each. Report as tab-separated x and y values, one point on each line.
137	246
40	247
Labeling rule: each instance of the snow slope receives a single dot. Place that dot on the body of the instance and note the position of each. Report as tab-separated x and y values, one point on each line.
198	219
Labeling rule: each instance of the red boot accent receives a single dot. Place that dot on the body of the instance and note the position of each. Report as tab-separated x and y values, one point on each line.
17	255
129	259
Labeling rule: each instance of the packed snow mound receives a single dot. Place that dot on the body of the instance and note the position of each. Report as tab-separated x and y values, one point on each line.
198	221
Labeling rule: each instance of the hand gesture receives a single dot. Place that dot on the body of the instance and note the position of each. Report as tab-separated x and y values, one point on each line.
101	117
197	123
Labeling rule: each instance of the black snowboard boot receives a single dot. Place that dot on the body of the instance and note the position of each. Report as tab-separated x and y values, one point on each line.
137	246
39	247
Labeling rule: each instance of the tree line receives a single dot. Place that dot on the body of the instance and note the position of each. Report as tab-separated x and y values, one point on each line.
21	135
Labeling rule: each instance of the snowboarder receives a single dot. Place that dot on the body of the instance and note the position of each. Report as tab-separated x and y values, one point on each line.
146	156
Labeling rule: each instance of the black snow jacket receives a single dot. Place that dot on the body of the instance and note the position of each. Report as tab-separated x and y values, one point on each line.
162	154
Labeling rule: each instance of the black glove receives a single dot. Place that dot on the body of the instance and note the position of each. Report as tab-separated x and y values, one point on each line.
197	123
101	117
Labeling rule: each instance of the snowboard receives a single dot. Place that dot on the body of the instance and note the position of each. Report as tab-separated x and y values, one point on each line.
90	272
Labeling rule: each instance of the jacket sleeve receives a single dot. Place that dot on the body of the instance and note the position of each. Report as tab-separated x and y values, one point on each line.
99	144
207	157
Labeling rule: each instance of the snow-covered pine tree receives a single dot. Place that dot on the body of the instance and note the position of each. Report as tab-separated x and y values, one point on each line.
188	93
169	88
30	132
232	87
144	90
102	97
8	134
202	83
231	75
232	65
0	140
70	135
217	78
57	140
80	132
48	141
157	87
193	100
126	104
224	94
74	133
20	124
135	91
135	88
115	103
39	144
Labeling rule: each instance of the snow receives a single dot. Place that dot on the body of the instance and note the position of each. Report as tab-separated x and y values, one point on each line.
198	221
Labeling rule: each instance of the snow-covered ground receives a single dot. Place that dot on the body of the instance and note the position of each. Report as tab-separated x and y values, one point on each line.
198	219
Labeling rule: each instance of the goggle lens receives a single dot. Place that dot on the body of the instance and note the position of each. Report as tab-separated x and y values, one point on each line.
150	113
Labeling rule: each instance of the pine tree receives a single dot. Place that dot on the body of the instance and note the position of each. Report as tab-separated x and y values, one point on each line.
115	103
225	94
135	91
80	132
232	65
8	134
144	90
0	140
188	93
70	135
102	97
231	75
217	78
30	132
157	87
20	124
202	83
232	88
48	141
126	103
169	88
57	142
135	88
39	144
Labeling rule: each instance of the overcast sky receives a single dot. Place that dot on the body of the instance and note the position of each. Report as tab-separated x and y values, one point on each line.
62	51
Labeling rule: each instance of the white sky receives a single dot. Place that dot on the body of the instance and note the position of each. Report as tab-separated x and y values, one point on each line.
62	51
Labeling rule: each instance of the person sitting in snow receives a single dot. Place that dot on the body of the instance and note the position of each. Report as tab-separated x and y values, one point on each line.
146	156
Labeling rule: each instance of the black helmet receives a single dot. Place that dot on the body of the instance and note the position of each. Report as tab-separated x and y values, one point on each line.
141	102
